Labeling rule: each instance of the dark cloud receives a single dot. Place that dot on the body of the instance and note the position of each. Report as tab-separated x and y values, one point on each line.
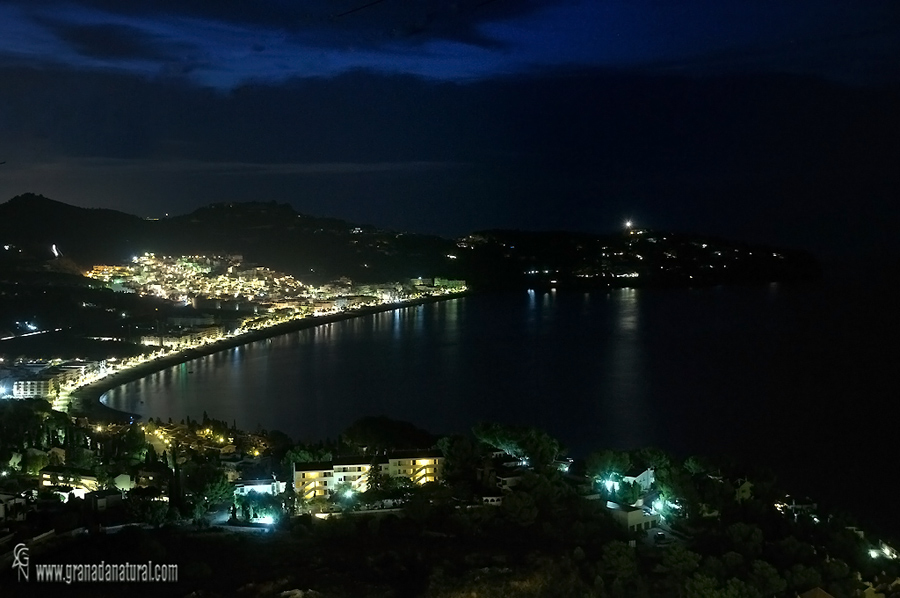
112	41
795	161
227	44
859	57
362	23
730	117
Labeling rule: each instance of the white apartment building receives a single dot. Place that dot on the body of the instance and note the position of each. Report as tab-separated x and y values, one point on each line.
320	479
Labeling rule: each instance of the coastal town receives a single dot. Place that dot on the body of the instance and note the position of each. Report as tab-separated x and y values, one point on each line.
72	471
75	474
212	300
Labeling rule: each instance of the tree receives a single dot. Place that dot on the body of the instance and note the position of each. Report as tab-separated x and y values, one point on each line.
519	507
540	449
198	514
697	465
279	443
607	464
302	453
155	512
207	484
134	444
619	565
746	539
461	459
701	586
736	588
33	462
652	457
503	438
733	562
150	457
801	578
344	496
678	563
382	433
521	442
765	578
104	477
629	493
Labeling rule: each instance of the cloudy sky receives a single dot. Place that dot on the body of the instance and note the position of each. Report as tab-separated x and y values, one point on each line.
769	120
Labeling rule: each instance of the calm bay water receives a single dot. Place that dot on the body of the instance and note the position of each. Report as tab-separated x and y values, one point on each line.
801	378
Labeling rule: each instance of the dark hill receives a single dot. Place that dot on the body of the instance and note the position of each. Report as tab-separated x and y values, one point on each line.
320	249
269	234
36	223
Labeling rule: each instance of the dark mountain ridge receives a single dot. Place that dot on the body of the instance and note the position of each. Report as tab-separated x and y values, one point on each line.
320	249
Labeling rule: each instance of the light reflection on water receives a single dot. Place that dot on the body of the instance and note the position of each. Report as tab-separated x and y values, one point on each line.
623	388
443	366
736	369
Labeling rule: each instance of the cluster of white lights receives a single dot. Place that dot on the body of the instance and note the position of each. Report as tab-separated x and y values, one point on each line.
885	551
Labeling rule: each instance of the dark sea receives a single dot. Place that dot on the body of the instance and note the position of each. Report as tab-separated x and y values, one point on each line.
802	378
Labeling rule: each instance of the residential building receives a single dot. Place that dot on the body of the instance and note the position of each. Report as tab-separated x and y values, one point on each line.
263	486
633	518
743	490
33	388
312	480
507	477
123	482
60	475
12	507
101	500
645	479
319	479
419	466
355	471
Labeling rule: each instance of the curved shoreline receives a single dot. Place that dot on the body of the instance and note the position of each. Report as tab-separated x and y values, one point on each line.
86	399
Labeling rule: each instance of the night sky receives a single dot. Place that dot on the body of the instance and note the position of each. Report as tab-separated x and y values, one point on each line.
763	120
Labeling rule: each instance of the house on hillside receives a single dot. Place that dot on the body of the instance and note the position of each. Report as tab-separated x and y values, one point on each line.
60	475
743	490
635	519
12	508
645	479
101	500
263	486
123	482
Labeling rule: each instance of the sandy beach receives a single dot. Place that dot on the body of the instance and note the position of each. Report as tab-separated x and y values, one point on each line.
86	400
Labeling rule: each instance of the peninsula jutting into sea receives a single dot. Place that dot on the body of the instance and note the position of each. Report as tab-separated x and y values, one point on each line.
106	291
102	297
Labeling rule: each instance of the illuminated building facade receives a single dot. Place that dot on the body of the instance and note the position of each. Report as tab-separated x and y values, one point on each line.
320	479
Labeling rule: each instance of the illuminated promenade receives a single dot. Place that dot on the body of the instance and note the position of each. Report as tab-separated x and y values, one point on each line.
83	399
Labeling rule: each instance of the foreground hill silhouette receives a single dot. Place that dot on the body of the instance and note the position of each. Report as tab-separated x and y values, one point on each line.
320	249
